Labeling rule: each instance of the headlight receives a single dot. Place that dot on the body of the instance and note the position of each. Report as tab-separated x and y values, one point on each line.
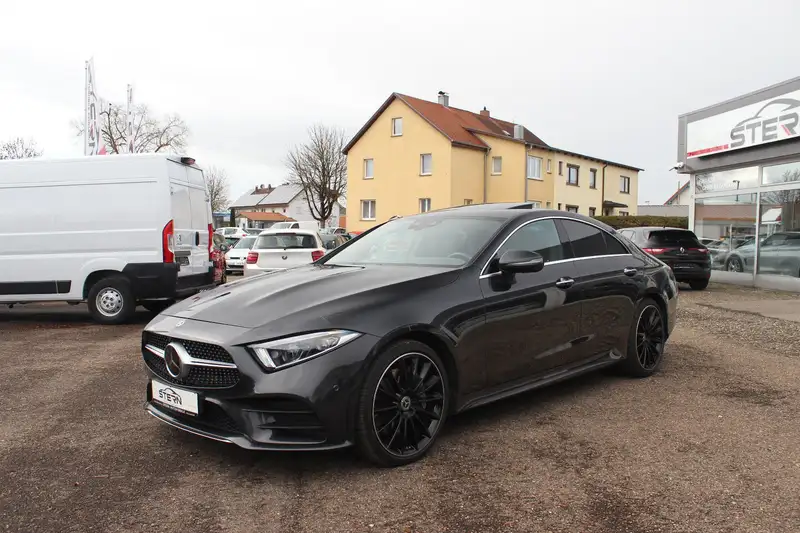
284	352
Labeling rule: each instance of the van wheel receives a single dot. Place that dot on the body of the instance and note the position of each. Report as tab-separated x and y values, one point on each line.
156	306
111	300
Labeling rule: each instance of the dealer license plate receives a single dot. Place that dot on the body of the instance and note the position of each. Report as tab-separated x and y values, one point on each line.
180	400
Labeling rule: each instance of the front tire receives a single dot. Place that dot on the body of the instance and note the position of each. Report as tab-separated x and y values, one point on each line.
646	340
111	300
734	264
403	404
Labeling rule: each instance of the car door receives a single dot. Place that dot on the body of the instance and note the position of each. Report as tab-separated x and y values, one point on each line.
532	319
610	280
770	256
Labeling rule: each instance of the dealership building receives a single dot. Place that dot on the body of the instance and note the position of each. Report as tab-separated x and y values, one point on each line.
743	159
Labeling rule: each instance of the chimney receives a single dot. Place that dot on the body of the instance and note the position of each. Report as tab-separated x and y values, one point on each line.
444	98
519	132
485	112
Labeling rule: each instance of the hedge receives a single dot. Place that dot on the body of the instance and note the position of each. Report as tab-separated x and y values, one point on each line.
645	220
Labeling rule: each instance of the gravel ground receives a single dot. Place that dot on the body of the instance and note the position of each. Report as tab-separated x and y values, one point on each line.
708	444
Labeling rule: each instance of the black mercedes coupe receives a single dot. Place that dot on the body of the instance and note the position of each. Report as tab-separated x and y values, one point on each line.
378	342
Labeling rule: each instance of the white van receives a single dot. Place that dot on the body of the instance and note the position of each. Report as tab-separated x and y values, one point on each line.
114	231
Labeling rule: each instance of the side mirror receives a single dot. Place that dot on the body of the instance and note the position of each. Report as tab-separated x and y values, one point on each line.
520	261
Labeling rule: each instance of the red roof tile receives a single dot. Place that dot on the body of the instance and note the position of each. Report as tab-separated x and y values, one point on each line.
458	125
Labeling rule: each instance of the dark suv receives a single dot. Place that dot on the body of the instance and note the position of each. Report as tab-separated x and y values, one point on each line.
679	248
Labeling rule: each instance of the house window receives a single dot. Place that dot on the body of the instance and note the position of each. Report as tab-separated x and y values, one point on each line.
424	205
560	168
572	175
369	166
592	178
625	184
497	166
467	201
425	164
367	209
534	168
572	208
623	213
397	127
549	166
592	211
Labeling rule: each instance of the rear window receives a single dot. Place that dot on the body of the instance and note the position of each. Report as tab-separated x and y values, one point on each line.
282	241
673	238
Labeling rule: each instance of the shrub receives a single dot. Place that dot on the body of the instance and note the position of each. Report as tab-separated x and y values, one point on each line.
645	220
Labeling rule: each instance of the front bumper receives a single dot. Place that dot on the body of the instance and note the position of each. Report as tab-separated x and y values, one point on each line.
309	406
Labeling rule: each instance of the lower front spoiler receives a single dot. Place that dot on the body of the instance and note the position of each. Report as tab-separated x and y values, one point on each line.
237	439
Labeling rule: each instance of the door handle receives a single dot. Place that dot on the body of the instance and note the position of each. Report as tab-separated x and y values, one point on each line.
630	271
565	283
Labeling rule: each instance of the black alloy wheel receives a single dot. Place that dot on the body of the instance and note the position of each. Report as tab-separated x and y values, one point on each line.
403	405
646	341
650	337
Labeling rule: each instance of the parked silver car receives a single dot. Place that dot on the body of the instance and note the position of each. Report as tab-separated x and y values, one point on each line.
779	254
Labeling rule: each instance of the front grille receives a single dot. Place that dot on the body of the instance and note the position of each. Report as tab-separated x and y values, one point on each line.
199	350
199	376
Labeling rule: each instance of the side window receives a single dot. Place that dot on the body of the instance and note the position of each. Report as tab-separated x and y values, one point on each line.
541	237
586	240
613	246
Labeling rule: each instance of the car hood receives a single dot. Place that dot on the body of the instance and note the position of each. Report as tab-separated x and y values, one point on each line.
313	291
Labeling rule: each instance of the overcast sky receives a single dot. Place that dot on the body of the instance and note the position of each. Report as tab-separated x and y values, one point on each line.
603	78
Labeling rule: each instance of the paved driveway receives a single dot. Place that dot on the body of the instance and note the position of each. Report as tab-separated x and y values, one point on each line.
711	443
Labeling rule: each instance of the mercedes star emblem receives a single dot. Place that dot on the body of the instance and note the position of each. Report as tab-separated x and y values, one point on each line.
175	357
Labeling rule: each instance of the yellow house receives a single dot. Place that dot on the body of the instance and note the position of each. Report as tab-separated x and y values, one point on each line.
414	156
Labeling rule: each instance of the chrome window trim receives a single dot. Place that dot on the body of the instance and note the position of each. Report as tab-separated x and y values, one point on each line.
192	361
486	265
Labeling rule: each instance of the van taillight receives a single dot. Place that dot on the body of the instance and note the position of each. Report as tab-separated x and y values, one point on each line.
316	254
252	258
210	239
168	242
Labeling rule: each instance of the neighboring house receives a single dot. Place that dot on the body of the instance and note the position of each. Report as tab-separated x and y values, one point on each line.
286	200
681	197
413	155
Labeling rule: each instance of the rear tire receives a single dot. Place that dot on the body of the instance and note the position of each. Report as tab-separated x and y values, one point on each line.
156	306
646	340
403	405
698	285
111	300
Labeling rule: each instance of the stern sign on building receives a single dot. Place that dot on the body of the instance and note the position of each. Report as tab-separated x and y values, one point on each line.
767	121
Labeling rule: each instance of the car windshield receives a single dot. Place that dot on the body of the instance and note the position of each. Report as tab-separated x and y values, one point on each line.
425	240
247	242
282	241
673	238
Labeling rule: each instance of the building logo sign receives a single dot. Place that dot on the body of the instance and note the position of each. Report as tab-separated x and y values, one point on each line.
764	122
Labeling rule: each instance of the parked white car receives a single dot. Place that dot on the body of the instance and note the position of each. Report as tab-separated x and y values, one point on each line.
303	224
236	256
279	249
232	233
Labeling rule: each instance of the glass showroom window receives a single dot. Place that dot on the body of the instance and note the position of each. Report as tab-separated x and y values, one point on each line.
731	222
727	181
779	217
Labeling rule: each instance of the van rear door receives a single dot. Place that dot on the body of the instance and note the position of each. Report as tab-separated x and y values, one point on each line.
186	238
201	218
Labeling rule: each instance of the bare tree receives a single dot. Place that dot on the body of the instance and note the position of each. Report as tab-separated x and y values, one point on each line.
320	168
19	148
783	197
150	134
217	185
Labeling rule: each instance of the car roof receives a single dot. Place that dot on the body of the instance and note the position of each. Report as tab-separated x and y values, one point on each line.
511	211
298	231
658	228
